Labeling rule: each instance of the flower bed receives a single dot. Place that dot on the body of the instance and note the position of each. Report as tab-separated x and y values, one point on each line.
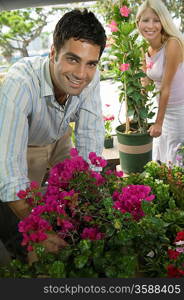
114	226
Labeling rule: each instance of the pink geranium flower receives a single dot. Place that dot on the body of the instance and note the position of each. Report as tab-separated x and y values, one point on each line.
180	249
34	185
66	225
118	173
97	160
113	26
130	198
92	234
99	179
124	67
87	218
73	152
108	118
124	11
22	194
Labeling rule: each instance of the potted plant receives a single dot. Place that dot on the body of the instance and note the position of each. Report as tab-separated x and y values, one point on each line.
108	119
93	213
114	226
135	144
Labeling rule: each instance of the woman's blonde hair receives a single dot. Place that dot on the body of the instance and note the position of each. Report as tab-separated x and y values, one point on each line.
169	28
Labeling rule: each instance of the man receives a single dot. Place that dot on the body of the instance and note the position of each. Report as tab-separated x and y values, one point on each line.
38	100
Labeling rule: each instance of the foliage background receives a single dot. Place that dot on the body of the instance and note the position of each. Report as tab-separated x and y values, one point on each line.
25	25
176	8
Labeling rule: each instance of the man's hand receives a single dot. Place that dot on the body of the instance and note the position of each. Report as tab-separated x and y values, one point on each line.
20	208
52	244
155	130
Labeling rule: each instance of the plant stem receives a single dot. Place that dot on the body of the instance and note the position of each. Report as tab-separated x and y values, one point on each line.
138	119
127	129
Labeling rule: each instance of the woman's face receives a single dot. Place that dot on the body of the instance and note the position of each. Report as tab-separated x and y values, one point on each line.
150	25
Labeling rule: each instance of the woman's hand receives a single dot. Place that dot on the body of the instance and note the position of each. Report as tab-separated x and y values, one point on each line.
155	130
145	81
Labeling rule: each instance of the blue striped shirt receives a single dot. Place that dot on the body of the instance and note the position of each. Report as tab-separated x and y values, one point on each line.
30	115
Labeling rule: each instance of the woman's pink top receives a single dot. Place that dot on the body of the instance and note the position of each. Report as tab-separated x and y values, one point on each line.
155	68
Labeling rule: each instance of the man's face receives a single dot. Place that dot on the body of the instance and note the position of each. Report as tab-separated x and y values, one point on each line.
74	66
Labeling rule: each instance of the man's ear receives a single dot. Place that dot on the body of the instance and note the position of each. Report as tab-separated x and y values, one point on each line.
52	54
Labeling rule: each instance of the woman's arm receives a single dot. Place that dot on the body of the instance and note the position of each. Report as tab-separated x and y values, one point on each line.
174	57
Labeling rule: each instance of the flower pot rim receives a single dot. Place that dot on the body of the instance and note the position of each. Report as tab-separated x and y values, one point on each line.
117	129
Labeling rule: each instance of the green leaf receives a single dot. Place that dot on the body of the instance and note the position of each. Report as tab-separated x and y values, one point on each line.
80	261
84	245
57	270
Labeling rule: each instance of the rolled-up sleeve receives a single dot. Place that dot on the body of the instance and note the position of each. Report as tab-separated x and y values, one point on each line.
14	107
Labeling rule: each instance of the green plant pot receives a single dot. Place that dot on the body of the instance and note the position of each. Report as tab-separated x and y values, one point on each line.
108	143
135	150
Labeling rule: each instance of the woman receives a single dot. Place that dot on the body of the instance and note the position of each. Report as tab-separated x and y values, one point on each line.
165	66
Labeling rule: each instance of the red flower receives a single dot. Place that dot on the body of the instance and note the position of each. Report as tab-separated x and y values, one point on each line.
87	218
22	194
173	254
180	236
174	272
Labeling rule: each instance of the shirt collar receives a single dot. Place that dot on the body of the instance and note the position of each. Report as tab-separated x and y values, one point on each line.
46	82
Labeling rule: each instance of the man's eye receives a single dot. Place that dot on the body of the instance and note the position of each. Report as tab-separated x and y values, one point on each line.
71	59
92	65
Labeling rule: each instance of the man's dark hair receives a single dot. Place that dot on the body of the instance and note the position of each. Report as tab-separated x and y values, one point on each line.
80	25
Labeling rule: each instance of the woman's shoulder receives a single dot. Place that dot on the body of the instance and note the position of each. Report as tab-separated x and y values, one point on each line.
174	47
173	42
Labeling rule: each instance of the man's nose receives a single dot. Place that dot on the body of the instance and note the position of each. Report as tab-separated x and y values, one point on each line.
80	71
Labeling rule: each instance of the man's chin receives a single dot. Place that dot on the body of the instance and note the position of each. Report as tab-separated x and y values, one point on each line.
75	92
